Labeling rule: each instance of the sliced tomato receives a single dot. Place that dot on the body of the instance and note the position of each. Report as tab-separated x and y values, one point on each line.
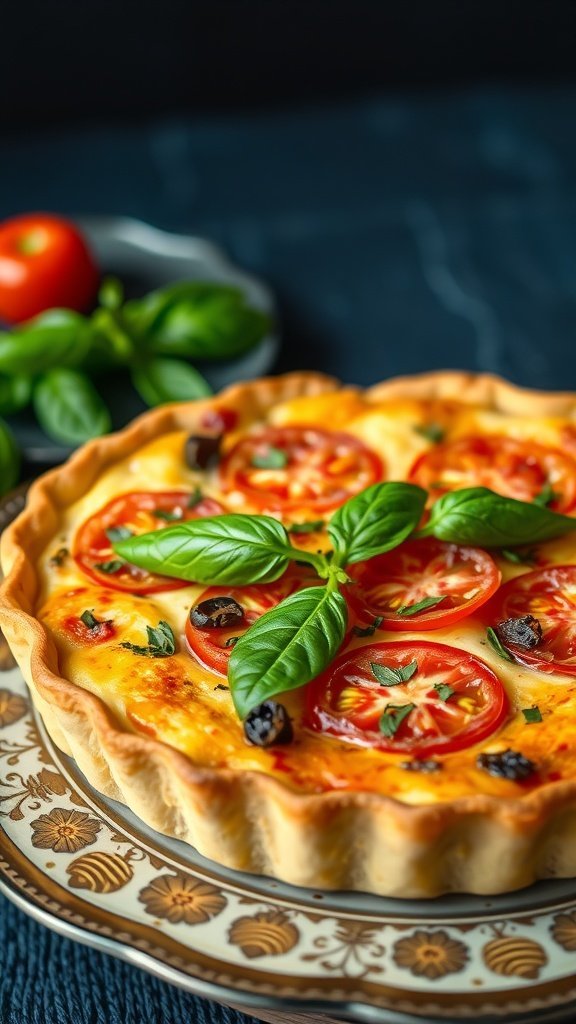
139	512
292	467
550	596
212	647
451	701
391	586
516	469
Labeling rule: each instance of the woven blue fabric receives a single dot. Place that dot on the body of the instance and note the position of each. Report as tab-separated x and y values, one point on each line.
45	979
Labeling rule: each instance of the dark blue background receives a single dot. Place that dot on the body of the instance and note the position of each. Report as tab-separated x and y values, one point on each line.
401	233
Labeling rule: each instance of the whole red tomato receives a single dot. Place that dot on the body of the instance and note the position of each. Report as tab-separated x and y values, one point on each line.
44	262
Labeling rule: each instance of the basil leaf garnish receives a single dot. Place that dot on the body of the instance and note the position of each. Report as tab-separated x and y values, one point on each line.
309	527
420	606
230	550
115	533
532	715
376	520
393	716
110	567
444	691
388	676
478	516
497	645
270	458
286	647
161	642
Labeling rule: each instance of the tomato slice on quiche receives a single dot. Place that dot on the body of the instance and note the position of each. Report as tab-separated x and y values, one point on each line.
134	513
417	698
299	467
550	596
212	645
514	468
422	584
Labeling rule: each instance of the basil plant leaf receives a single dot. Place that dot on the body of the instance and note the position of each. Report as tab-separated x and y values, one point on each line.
478	516
230	550
9	459
286	647
15	393
68	407
197	320
169	380
58	337
376	520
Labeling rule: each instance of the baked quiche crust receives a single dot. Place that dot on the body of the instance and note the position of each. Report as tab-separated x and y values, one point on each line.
248	819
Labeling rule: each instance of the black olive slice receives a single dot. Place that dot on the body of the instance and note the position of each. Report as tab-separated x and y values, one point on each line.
202	451
525	631
216	612
268	724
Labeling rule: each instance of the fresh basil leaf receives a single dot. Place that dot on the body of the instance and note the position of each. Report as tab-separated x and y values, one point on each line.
110	567
169	380
478	516
392	718
286	647
376	520
444	691
368	630
115	533
497	645
532	715
309	527
161	642
9	459
388	676
89	620
111	293
68	407
58	337
228	550
519	556
15	393
546	497
431	431
198	320
271	458
168	517
195	498
420	606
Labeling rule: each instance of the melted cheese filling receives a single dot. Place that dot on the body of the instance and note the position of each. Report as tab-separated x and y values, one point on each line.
180	702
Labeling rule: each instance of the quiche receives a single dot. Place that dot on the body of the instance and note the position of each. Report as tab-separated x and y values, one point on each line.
424	741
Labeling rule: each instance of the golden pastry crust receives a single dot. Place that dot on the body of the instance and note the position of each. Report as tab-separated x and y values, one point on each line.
249	820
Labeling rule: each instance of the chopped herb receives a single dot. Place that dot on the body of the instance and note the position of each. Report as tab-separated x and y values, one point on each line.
368	630
546	497
420	606
421	766
393	716
519	556
168	517
59	557
115	533
231	641
495	643
161	642
311	527
392	676
89	620
271	458
220	686
532	714
195	498
110	567
431	431
507	764
444	691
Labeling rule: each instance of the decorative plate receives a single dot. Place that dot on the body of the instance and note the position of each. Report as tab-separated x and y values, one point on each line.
145	258
87	867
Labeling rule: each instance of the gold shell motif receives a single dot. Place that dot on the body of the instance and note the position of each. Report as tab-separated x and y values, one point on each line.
514	956
269	933
99	872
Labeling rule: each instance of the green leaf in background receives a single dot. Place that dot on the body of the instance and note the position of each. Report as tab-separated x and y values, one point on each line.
169	380
58	337
197	320
69	408
376	520
9	459
478	516
15	393
286	647
231	550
